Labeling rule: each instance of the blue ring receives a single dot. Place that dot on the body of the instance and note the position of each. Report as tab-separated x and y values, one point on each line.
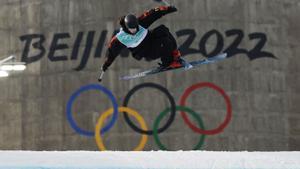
76	94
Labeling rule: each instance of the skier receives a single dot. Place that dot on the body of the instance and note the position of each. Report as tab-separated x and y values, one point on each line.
144	43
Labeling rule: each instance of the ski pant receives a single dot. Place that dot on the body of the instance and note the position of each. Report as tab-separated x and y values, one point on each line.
159	44
163	44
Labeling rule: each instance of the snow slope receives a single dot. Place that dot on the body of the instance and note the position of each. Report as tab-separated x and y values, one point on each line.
149	160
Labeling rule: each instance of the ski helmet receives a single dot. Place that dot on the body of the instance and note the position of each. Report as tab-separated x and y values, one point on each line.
131	21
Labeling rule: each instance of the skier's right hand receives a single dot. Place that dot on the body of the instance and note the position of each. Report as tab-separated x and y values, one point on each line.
172	8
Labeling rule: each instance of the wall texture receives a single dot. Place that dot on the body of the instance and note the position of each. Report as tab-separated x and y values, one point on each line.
63	43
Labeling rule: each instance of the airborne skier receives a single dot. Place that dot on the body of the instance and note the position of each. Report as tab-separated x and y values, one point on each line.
144	43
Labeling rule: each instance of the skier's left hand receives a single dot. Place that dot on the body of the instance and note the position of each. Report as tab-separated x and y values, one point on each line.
172	8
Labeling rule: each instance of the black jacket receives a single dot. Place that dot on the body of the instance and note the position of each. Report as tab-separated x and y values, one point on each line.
145	20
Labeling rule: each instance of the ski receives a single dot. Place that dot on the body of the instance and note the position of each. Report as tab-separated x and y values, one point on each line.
193	63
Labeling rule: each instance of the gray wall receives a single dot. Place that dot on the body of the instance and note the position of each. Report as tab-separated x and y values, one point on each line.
264	92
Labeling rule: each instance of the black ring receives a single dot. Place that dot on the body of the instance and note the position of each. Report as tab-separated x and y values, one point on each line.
156	86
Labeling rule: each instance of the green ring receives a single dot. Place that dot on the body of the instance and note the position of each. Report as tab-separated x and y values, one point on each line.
181	108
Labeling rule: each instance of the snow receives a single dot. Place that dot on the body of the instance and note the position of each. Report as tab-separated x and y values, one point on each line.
148	159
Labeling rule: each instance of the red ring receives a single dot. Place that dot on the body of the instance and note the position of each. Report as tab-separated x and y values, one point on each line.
219	129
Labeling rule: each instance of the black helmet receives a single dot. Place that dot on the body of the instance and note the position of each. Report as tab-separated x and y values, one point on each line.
131	21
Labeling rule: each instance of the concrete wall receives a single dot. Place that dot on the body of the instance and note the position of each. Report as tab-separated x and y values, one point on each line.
264	91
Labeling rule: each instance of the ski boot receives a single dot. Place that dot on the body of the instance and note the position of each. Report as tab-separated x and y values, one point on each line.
179	61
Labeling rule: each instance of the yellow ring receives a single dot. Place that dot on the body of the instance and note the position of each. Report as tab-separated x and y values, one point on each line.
130	112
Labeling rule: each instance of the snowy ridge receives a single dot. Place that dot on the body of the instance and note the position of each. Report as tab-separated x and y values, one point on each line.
149	160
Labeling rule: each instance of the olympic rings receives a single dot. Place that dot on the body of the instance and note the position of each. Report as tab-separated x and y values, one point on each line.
228	104
120	109
144	130
76	94
156	86
186	109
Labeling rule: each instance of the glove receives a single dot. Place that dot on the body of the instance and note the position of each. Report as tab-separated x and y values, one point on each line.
172	9
104	68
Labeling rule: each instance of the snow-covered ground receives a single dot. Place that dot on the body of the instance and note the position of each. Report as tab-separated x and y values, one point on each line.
149	160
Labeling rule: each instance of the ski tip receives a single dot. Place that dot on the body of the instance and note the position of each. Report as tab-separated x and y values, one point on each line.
127	77
124	78
222	55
